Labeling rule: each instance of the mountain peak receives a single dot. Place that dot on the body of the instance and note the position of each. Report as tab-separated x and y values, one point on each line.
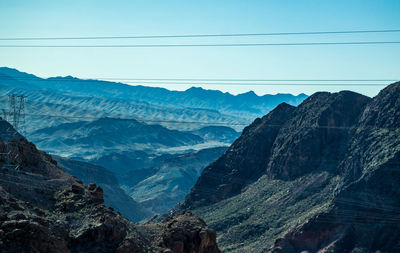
248	94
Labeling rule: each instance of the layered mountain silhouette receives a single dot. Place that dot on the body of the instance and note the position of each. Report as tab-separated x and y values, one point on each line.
44	209
247	105
320	177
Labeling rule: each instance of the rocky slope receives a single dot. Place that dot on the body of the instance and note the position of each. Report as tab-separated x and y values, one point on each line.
328	180
114	196
44	209
243	163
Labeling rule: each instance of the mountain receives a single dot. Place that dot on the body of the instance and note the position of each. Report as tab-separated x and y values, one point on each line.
90	139
131	128
321	177
242	163
222	134
114	196
171	181
44	209
194	104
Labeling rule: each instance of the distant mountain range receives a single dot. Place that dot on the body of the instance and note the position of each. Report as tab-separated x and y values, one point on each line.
140	101
320	177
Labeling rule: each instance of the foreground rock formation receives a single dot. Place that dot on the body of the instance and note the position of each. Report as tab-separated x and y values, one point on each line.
44	209
322	177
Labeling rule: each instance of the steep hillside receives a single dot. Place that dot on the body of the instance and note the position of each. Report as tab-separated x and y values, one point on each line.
114	196
44	209
172	180
243	163
328	183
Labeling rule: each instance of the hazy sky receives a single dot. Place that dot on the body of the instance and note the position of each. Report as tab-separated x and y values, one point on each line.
123	18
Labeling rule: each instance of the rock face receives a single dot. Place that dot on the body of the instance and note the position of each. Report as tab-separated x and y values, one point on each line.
242	163
315	136
44	209
330	181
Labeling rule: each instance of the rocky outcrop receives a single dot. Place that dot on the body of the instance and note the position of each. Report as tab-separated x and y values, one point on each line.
330	182
44	209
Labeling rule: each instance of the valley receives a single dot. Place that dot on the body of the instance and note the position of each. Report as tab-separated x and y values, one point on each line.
155	142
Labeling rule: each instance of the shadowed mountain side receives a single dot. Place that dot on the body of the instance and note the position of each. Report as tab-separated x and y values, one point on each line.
243	163
315	137
114	196
364	215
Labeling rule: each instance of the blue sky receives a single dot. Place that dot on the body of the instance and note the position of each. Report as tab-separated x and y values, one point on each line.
120	18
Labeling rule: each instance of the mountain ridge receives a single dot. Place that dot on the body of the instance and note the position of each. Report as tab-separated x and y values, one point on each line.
204	99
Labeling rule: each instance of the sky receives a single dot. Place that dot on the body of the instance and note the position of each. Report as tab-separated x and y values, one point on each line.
60	18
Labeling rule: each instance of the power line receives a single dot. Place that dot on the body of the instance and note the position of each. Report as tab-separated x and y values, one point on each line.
217	81
263	84
199	122
207	45
199	79
203	35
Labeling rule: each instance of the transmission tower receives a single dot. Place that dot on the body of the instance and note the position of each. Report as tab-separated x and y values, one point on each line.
16	117
17	112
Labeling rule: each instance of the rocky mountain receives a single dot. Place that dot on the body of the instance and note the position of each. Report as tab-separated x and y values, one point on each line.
243	162
171	181
321	177
114	196
44	209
